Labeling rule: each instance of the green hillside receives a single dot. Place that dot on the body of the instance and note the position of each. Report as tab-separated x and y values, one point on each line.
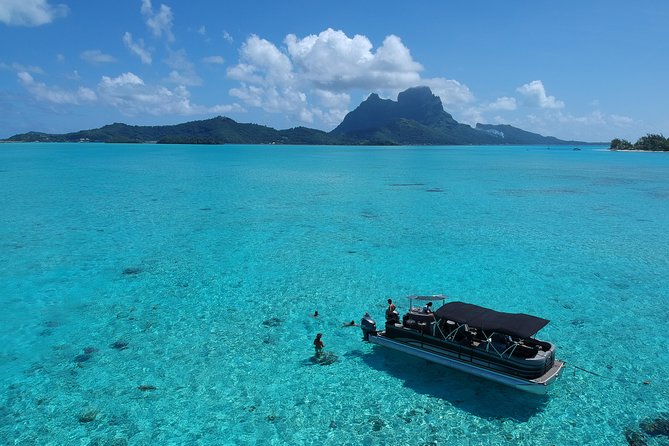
416	118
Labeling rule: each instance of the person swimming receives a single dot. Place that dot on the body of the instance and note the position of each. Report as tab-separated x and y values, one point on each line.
349	324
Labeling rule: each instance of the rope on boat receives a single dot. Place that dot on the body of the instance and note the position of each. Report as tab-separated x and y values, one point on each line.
604	376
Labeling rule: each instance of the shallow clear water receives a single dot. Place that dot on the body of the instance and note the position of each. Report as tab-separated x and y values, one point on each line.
208	262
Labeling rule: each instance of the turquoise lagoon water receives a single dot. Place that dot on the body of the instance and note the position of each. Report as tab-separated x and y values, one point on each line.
203	265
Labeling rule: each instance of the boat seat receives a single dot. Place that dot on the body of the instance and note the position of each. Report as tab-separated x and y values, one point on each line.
426	318
525	351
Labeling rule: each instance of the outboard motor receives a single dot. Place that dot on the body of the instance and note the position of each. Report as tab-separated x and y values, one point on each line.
368	326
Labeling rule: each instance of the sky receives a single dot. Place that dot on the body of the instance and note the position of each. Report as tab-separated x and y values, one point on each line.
579	70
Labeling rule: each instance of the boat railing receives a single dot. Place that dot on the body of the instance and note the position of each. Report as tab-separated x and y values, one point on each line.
499	344
489	345
511	349
474	339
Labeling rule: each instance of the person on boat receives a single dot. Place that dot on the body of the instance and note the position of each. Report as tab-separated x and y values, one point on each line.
427	309
318	345
391	312
349	324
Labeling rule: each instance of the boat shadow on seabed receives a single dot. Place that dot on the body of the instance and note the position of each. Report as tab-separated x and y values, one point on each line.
477	396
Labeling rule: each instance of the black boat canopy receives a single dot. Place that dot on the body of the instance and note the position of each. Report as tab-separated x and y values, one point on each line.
513	324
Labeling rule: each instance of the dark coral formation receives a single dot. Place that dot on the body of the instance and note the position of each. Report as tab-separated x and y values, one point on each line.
649	427
272	322
119	345
634	438
656	426
88	416
132	270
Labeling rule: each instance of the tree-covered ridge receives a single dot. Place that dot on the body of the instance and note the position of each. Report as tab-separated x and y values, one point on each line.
416	118
650	143
219	130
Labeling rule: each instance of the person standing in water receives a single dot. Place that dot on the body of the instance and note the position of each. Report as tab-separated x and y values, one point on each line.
318	345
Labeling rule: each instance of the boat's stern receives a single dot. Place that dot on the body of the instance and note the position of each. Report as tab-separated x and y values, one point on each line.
551	375
368	326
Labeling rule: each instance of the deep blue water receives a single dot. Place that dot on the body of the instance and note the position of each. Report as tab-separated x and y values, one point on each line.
204	263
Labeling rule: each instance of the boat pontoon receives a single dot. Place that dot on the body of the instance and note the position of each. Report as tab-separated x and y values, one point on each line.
480	341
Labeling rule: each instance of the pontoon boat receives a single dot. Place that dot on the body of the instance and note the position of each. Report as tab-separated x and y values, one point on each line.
473	339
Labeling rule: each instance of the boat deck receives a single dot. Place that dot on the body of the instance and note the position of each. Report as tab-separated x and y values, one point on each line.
551	374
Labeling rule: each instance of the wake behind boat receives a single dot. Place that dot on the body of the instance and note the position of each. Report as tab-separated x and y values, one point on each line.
480	341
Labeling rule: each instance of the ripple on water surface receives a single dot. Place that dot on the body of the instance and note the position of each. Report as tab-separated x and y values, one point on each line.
165	294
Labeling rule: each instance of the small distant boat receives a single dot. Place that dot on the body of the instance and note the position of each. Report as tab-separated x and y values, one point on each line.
483	342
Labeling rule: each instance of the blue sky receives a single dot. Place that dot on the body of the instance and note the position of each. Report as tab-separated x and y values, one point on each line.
586	70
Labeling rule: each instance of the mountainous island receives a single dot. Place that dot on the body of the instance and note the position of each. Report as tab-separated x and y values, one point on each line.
416	118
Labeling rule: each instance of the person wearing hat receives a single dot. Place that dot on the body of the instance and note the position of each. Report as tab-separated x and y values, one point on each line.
318	345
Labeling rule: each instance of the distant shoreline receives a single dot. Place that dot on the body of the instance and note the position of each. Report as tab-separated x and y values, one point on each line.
156	143
632	150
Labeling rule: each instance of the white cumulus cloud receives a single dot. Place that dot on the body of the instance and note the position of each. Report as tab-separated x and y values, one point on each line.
503	103
132	96
306	77
535	95
126	92
160	22
30	12
262	62
55	95
335	61
123	80
476	114
451	92
137	48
